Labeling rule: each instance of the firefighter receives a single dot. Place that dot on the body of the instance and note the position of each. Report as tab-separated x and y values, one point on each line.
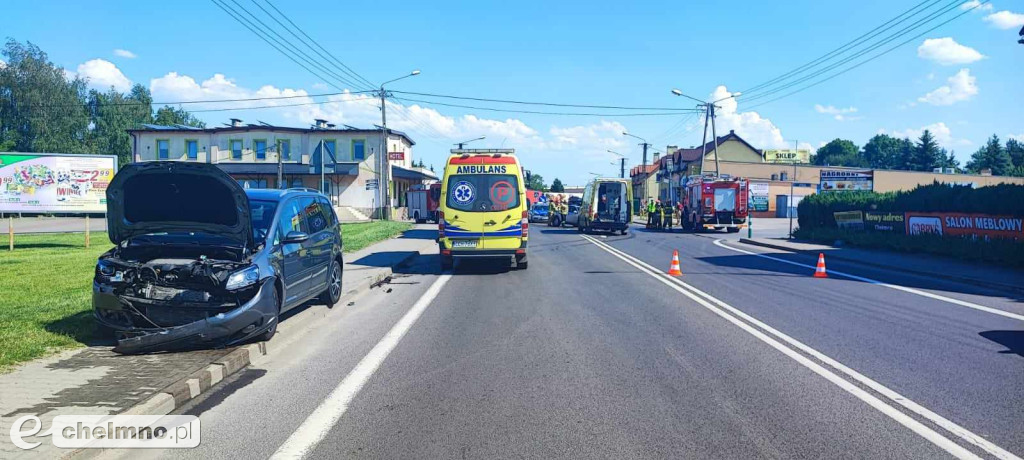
563	210
668	216
552	209
660	221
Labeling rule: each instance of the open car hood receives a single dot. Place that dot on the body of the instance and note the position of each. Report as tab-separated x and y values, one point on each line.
175	197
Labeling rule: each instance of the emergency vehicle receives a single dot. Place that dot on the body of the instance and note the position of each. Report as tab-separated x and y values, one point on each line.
606	205
483	210
422	202
715	203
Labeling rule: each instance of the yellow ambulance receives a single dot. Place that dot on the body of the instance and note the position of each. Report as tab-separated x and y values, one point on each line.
483	212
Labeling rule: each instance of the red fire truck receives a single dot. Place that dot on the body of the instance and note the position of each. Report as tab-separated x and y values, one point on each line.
715	203
422	202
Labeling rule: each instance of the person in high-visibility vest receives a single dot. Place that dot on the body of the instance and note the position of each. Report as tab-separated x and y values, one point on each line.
650	212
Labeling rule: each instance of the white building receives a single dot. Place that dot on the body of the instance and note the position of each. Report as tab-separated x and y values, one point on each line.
250	153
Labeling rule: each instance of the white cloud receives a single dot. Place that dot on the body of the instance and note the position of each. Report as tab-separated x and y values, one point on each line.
1019	137
751	126
839	114
3	63
102	74
1005	20
943	135
961	87
125	53
947	51
976	5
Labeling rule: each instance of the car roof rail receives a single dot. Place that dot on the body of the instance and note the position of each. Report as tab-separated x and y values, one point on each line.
304	189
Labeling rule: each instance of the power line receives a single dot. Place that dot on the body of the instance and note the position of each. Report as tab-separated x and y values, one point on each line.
550	104
344	69
205	101
935	15
342	64
847	45
543	113
288	44
869	59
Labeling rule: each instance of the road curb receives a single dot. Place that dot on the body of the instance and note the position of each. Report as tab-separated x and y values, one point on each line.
960	279
179	393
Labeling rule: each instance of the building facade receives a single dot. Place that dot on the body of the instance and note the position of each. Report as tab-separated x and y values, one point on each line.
253	154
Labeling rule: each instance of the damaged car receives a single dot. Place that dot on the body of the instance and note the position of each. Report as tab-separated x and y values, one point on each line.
199	261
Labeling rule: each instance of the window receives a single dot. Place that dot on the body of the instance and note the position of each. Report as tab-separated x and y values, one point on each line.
284	148
235	145
313	213
191	149
260	147
163	149
328	211
359	150
291	219
296	183
262	213
483	192
252	183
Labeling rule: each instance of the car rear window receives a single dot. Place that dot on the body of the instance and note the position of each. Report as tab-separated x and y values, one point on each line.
482	192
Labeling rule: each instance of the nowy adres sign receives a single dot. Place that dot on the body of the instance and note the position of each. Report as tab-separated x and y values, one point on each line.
55	182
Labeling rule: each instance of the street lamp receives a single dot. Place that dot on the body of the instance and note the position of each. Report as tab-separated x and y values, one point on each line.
471	140
383	167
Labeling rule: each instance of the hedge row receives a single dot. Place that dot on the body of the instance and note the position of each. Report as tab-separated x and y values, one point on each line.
816	211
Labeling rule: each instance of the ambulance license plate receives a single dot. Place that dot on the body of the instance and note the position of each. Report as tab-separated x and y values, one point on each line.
464	244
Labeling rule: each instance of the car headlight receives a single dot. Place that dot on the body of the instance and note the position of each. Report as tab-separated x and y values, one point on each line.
104	268
242	278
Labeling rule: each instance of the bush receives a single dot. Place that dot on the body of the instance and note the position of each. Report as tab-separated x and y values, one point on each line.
816	211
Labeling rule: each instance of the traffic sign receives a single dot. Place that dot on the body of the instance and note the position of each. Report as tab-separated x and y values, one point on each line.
371	184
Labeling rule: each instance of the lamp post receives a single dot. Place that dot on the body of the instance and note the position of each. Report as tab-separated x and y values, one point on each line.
384	167
622	163
709	113
471	140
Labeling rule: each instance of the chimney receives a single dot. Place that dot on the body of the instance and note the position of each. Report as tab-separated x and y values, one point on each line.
236	122
330	125
321	123
732	131
656	156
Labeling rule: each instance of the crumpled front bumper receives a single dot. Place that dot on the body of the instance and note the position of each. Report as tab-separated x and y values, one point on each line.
223	329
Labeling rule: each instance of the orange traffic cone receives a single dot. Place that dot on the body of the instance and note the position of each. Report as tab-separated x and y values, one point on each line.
819	271
674	268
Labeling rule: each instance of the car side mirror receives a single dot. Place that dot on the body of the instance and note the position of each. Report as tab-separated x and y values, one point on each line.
295	236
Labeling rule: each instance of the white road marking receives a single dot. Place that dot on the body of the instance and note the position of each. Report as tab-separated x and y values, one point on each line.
706	300
962	303
320	422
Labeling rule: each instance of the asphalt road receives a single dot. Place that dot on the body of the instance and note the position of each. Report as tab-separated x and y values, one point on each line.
591	354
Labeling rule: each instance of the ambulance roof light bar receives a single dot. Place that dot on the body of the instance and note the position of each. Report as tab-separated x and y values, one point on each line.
482	151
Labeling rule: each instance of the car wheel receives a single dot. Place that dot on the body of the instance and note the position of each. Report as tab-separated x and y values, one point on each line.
332	294
521	263
269	333
447	263
622	232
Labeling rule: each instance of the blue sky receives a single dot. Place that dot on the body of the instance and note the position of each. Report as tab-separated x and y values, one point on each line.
964	83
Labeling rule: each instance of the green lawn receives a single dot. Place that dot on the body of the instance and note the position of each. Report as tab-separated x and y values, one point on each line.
46	286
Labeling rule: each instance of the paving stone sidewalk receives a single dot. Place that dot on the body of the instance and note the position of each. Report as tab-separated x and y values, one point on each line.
97	381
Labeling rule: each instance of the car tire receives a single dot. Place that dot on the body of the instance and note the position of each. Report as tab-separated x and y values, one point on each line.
269	333
332	294
521	263
622	232
447	263
732	229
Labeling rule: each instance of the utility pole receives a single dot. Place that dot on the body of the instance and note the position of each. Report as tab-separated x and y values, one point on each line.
321	166
792	184
382	171
622	168
704	141
714	134
280	167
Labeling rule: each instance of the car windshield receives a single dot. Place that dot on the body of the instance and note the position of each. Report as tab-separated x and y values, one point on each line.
262	218
540	207
483	192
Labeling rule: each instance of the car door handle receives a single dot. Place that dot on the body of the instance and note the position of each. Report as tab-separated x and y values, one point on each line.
490	223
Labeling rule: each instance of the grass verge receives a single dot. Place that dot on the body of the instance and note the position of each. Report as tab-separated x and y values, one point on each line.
46	286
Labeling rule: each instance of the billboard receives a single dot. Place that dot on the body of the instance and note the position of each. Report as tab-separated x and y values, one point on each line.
961	224
849	220
846	179
54	182
885	221
759	193
787	156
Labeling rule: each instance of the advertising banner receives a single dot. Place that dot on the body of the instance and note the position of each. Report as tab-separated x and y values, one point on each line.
849	220
55	182
960	224
846	179
759	193
787	156
894	222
